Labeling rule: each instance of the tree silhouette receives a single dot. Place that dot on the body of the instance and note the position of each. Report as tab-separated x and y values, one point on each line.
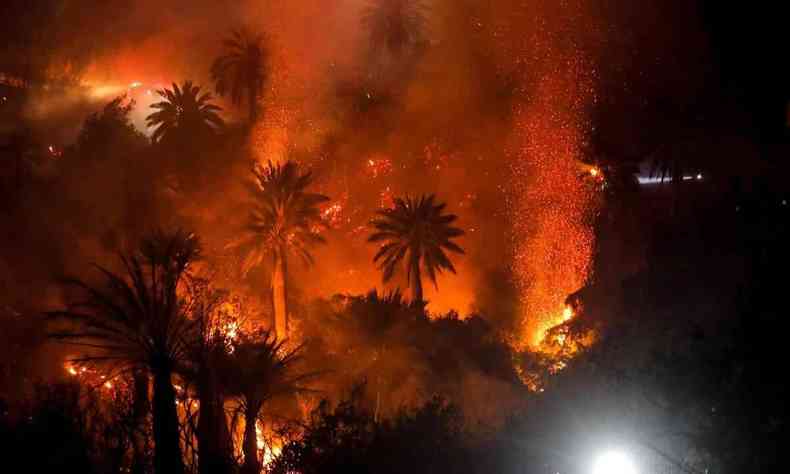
110	132
241	71
209	307
259	369
285	218
184	113
136	321
416	232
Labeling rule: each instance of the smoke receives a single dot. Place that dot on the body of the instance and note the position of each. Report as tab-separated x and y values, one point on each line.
440	115
490	110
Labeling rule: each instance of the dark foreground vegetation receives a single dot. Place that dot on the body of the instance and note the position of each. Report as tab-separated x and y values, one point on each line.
687	393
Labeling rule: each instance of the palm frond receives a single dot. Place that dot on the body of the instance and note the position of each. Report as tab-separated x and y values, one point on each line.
415	232
184	111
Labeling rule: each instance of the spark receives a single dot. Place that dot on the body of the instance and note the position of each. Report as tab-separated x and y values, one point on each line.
549	203
333	214
54	151
378	167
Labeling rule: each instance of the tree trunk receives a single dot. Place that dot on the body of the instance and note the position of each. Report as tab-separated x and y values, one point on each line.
252	95
140	410
279	296
212	428
167	449
416	283
250	443
253	105
378	399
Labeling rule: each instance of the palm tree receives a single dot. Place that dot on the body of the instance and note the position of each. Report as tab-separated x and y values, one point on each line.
285	218
136	322
183	112
394	24
375	319
259	369
417	233
206	352
241	71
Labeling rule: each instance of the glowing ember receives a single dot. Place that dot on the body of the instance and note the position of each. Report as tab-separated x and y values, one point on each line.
54	152
333	215
550	204
378	167
386	198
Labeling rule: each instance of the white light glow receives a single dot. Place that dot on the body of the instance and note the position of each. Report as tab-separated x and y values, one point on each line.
614	462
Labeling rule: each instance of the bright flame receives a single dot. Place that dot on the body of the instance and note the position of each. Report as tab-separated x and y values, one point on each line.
259	436
567	314
232	331
269	452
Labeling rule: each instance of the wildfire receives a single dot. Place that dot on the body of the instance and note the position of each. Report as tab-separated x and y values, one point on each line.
550	204
269	452
543	335
231	330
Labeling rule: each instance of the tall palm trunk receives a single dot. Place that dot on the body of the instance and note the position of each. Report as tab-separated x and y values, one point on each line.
416	282
252	99
212	432
279	295
250	444
140	410
167	452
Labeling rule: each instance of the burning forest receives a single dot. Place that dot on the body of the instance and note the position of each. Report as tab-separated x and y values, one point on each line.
386	235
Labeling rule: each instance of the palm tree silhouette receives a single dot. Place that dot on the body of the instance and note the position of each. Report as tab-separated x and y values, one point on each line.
259	369
135	322
416	232
207	306
394	24
285	218
241	70
184	113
